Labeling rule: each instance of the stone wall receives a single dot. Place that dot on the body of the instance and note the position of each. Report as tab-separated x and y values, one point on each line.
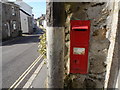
99	15
103	44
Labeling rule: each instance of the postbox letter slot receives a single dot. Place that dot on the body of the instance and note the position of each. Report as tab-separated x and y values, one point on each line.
80	28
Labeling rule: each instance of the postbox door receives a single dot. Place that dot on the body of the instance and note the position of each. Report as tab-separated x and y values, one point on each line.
79	45
79	59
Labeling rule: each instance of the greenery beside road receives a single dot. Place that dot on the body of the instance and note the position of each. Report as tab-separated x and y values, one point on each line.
42	43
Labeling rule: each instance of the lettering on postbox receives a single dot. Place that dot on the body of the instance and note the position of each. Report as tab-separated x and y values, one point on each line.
79	46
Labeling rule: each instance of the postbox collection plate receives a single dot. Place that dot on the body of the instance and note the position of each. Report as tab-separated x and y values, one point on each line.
79	46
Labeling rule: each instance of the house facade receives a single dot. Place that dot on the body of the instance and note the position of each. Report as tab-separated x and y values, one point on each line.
10	18
26	17
41	21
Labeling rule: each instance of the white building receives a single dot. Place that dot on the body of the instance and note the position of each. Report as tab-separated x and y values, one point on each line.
26	16
44	24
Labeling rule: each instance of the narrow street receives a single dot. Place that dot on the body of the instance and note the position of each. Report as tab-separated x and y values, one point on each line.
17	56
60	44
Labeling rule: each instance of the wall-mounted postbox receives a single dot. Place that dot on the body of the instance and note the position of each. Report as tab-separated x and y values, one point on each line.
79	45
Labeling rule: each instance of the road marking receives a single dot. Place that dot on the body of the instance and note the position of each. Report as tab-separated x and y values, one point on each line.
20	79
29	82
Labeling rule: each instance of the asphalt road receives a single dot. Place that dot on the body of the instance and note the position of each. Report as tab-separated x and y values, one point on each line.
17	55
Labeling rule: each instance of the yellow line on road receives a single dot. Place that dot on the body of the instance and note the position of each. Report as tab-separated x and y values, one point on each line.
31	79
20	79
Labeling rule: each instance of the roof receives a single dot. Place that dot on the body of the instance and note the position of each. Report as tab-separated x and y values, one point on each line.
24	7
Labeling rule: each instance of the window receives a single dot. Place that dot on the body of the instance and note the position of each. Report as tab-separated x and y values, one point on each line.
14	25
13	10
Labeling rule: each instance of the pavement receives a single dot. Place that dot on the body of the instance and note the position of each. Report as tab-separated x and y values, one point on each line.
42	75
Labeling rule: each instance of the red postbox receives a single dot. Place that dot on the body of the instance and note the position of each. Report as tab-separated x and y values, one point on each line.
79	45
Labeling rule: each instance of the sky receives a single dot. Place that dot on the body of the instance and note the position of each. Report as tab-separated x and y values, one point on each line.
39	6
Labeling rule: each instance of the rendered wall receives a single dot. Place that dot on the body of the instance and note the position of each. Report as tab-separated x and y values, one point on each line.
24	22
